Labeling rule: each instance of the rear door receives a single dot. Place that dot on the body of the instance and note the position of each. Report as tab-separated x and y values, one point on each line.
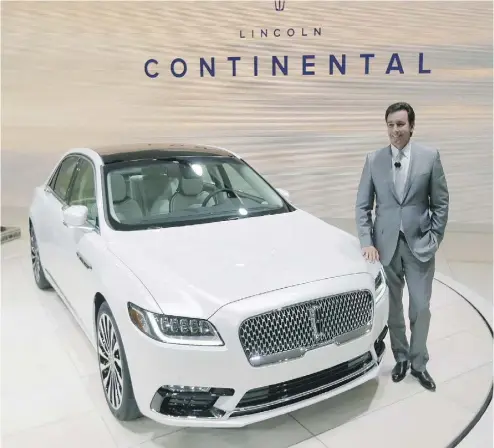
49	225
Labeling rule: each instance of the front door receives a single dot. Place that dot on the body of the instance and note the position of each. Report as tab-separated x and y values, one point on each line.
79	247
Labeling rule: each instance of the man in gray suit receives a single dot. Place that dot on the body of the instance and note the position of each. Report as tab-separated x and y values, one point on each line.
406	182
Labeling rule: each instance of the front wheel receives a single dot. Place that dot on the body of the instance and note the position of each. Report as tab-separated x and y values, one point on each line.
114	371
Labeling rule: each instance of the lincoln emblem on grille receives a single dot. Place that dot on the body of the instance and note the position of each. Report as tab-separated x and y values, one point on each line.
288	333
313	316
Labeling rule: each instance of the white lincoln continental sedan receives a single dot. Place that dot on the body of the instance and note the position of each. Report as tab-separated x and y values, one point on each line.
209	298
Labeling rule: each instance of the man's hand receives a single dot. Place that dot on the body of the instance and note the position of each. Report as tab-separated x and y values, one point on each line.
370	253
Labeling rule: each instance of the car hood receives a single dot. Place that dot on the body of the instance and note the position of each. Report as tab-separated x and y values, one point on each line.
195	270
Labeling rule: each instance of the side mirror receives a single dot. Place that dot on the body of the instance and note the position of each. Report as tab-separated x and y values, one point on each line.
75	216
283	193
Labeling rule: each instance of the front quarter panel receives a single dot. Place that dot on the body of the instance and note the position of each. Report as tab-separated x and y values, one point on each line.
116	283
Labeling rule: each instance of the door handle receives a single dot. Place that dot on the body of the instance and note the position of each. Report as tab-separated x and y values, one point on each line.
83	261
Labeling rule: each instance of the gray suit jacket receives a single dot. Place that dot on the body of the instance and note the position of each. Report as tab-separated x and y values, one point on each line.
424	208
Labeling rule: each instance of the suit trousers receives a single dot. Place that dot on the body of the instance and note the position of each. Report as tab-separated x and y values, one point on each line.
419	276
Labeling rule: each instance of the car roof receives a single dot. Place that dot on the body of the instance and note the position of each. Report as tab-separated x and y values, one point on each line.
140	151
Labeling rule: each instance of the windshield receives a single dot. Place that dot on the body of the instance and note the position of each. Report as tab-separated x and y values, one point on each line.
186	190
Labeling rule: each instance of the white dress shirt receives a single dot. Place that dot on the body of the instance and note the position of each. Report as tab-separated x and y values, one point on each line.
405	165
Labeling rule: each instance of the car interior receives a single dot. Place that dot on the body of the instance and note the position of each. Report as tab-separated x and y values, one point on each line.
138	193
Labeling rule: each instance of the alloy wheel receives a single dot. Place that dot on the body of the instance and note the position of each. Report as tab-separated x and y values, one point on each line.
110	361
35	261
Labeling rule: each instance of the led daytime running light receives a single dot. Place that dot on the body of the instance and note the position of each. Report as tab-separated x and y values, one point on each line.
174	329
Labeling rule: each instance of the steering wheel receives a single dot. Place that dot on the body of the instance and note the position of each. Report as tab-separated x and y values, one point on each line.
236	192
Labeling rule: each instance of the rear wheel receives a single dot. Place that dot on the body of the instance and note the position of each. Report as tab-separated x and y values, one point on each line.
38	271
115	377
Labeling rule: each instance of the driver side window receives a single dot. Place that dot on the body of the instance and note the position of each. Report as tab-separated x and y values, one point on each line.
84	191
61	182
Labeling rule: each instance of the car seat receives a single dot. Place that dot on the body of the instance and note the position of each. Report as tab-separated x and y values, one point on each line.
125	207
190	193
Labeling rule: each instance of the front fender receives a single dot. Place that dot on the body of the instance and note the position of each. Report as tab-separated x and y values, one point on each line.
117	284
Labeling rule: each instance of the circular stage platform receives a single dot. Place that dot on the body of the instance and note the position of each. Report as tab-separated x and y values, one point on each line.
51	394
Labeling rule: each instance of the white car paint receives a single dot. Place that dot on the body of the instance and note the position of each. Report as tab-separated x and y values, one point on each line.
197	269
222	271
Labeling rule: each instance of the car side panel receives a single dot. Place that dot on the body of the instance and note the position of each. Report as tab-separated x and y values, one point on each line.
114	281
42	209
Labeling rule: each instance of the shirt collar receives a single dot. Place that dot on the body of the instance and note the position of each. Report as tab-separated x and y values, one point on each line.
405	150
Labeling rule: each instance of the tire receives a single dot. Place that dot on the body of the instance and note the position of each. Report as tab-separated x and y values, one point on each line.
38	271
114	370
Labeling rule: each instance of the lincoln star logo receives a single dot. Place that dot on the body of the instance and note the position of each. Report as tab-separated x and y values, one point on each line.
279	5
314	322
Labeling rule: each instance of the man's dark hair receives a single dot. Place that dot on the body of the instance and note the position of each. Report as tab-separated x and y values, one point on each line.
402	106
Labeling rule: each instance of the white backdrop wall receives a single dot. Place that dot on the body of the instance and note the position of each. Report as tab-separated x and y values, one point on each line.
73	75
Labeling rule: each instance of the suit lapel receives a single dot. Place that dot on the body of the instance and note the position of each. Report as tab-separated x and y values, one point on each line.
388	164
411	171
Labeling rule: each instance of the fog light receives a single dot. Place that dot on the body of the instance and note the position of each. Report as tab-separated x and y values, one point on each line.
187	389
189	401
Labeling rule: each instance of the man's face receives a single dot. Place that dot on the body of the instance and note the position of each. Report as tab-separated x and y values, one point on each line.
399	130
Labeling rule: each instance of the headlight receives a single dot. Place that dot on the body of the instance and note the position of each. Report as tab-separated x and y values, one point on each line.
380	284
174	329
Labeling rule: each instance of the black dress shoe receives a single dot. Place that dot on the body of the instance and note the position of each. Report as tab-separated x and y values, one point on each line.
399	371
424	379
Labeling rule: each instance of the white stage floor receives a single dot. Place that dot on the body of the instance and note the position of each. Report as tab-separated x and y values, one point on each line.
51	395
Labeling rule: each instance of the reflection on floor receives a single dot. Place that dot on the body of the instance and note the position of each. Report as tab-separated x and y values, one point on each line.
51	393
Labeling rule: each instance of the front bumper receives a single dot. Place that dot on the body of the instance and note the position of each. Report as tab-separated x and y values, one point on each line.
240	394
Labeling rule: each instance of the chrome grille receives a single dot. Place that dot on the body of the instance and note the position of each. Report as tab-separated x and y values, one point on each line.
289	332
